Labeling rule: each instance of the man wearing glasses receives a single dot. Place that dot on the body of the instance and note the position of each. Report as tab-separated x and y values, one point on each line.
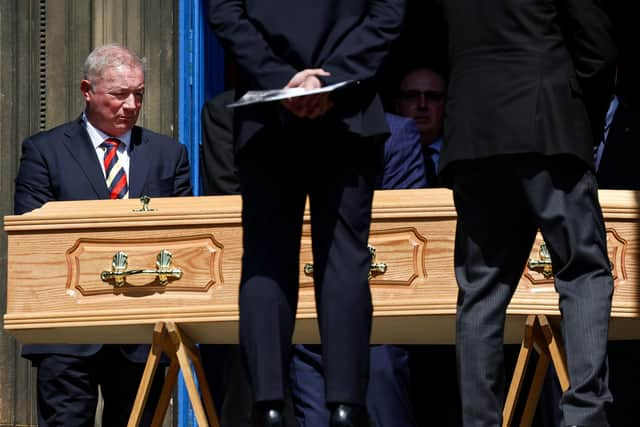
421	97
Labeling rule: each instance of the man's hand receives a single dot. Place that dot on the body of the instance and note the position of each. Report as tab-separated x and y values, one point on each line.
300	78
312	106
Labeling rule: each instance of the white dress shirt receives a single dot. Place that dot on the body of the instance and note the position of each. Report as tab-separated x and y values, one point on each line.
98	137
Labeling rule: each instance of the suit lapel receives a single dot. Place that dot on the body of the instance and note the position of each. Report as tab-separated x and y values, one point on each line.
81	151
139	158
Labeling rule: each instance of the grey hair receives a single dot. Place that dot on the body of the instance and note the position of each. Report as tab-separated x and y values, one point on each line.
110	56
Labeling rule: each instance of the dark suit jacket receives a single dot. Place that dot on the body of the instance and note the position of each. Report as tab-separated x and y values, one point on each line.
272	40
619	164
61	164
403	160
218	171
544	66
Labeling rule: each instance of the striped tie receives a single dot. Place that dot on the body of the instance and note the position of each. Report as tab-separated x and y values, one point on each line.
116	176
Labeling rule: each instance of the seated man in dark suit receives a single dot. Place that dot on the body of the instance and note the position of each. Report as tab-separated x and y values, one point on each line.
420	96
100	155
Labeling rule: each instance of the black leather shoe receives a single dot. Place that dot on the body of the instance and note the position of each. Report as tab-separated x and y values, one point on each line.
268	414
343	415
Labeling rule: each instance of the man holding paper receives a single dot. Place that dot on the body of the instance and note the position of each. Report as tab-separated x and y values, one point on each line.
326	146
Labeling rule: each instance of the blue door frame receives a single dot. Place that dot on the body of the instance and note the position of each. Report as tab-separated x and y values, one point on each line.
200	76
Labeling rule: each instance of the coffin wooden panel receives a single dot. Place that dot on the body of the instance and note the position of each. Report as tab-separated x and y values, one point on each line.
57	253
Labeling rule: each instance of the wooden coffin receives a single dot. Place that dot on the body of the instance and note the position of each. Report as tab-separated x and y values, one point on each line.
61	257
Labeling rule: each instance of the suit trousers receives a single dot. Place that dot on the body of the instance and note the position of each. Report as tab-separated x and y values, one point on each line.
501	203
68	389
278	169
227	379
388	397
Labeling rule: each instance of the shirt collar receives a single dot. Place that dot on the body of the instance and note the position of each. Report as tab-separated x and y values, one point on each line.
436	145
97	136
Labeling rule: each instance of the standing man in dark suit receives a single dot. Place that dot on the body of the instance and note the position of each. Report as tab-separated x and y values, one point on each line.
219	173
529	88
325	147
100	155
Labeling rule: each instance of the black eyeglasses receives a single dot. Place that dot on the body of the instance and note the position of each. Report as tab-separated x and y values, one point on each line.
430	96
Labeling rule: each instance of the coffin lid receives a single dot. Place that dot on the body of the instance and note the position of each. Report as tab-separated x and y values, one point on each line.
193	210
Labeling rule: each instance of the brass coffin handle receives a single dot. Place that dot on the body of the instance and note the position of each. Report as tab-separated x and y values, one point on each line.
542	265
119	270
375	269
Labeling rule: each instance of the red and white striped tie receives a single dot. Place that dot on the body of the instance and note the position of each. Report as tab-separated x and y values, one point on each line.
114	171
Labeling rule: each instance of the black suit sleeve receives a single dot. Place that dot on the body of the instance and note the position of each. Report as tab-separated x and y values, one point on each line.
217	165
33	185
589	35
361	52
238	34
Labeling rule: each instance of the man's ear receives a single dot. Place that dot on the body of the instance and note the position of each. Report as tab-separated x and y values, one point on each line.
86	88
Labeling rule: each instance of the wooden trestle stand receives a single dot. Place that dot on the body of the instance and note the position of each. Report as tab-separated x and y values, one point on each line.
170	340
544	337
